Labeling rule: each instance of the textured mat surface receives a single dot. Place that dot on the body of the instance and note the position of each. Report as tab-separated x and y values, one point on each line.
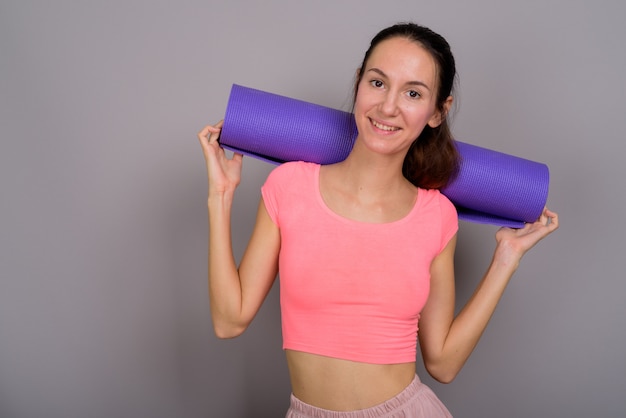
491	187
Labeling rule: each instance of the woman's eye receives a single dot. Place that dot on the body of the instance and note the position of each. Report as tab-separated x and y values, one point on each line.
413	94
376	83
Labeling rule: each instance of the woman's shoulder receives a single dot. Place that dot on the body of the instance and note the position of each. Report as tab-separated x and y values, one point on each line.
292	170
291	174
289	183
297	165
435	197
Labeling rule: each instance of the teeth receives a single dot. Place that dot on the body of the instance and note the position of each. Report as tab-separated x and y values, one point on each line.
384	127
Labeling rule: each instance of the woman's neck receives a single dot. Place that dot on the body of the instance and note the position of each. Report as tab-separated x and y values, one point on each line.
367	189
372	174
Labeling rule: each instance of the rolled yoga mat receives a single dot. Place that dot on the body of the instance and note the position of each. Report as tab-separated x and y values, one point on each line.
491	187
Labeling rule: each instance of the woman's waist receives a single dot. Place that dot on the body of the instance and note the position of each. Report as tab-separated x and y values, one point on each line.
345	385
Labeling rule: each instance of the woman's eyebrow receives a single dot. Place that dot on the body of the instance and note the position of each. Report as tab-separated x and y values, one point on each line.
409	83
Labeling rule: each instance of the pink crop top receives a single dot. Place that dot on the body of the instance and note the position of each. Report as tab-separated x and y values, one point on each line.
349	289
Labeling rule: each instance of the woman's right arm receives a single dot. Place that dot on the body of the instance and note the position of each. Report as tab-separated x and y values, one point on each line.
235	294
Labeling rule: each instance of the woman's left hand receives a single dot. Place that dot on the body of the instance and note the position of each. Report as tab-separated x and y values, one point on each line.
516	242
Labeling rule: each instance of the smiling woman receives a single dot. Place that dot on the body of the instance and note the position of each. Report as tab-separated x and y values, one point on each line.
396	97
433	159
365	246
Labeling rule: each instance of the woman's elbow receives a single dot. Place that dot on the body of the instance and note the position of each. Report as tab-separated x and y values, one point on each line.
441	373
226	331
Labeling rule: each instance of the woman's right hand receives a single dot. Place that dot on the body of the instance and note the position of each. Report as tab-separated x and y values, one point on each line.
224	174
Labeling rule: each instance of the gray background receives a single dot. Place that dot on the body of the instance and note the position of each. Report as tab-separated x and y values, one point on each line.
103	293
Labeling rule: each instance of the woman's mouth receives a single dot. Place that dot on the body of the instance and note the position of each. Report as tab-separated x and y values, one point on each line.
384	127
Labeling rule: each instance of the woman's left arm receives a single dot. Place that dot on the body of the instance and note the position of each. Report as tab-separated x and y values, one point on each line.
447	341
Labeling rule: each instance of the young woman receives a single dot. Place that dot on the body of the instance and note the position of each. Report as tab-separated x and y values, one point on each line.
364	247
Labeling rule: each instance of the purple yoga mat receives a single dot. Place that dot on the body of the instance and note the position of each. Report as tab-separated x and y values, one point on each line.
491	187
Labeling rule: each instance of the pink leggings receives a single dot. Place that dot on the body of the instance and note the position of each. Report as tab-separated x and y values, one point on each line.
416	401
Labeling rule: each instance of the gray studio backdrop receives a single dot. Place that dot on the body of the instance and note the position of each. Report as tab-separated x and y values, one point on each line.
103	227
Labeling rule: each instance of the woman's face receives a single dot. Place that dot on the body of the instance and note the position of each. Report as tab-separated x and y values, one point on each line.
396	96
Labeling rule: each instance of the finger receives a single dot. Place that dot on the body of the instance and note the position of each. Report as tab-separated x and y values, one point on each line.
554	219
237	157
215	131
550	213
548	222
204	132
215	134
208	129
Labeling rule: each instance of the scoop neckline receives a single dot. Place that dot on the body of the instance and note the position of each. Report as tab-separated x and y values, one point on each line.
328	210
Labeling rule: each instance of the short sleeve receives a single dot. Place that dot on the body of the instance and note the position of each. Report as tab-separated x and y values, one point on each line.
449	221
270	191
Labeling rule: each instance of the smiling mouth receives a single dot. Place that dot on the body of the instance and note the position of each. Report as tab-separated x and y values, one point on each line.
384	127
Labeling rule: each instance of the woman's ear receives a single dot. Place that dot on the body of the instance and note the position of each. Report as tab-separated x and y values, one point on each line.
439	116
357	78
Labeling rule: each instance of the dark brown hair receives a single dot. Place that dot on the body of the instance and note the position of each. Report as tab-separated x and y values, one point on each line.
432	160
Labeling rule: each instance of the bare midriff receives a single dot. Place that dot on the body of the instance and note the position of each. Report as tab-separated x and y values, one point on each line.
344	385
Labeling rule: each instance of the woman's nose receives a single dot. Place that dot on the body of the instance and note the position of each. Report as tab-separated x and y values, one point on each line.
389	104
